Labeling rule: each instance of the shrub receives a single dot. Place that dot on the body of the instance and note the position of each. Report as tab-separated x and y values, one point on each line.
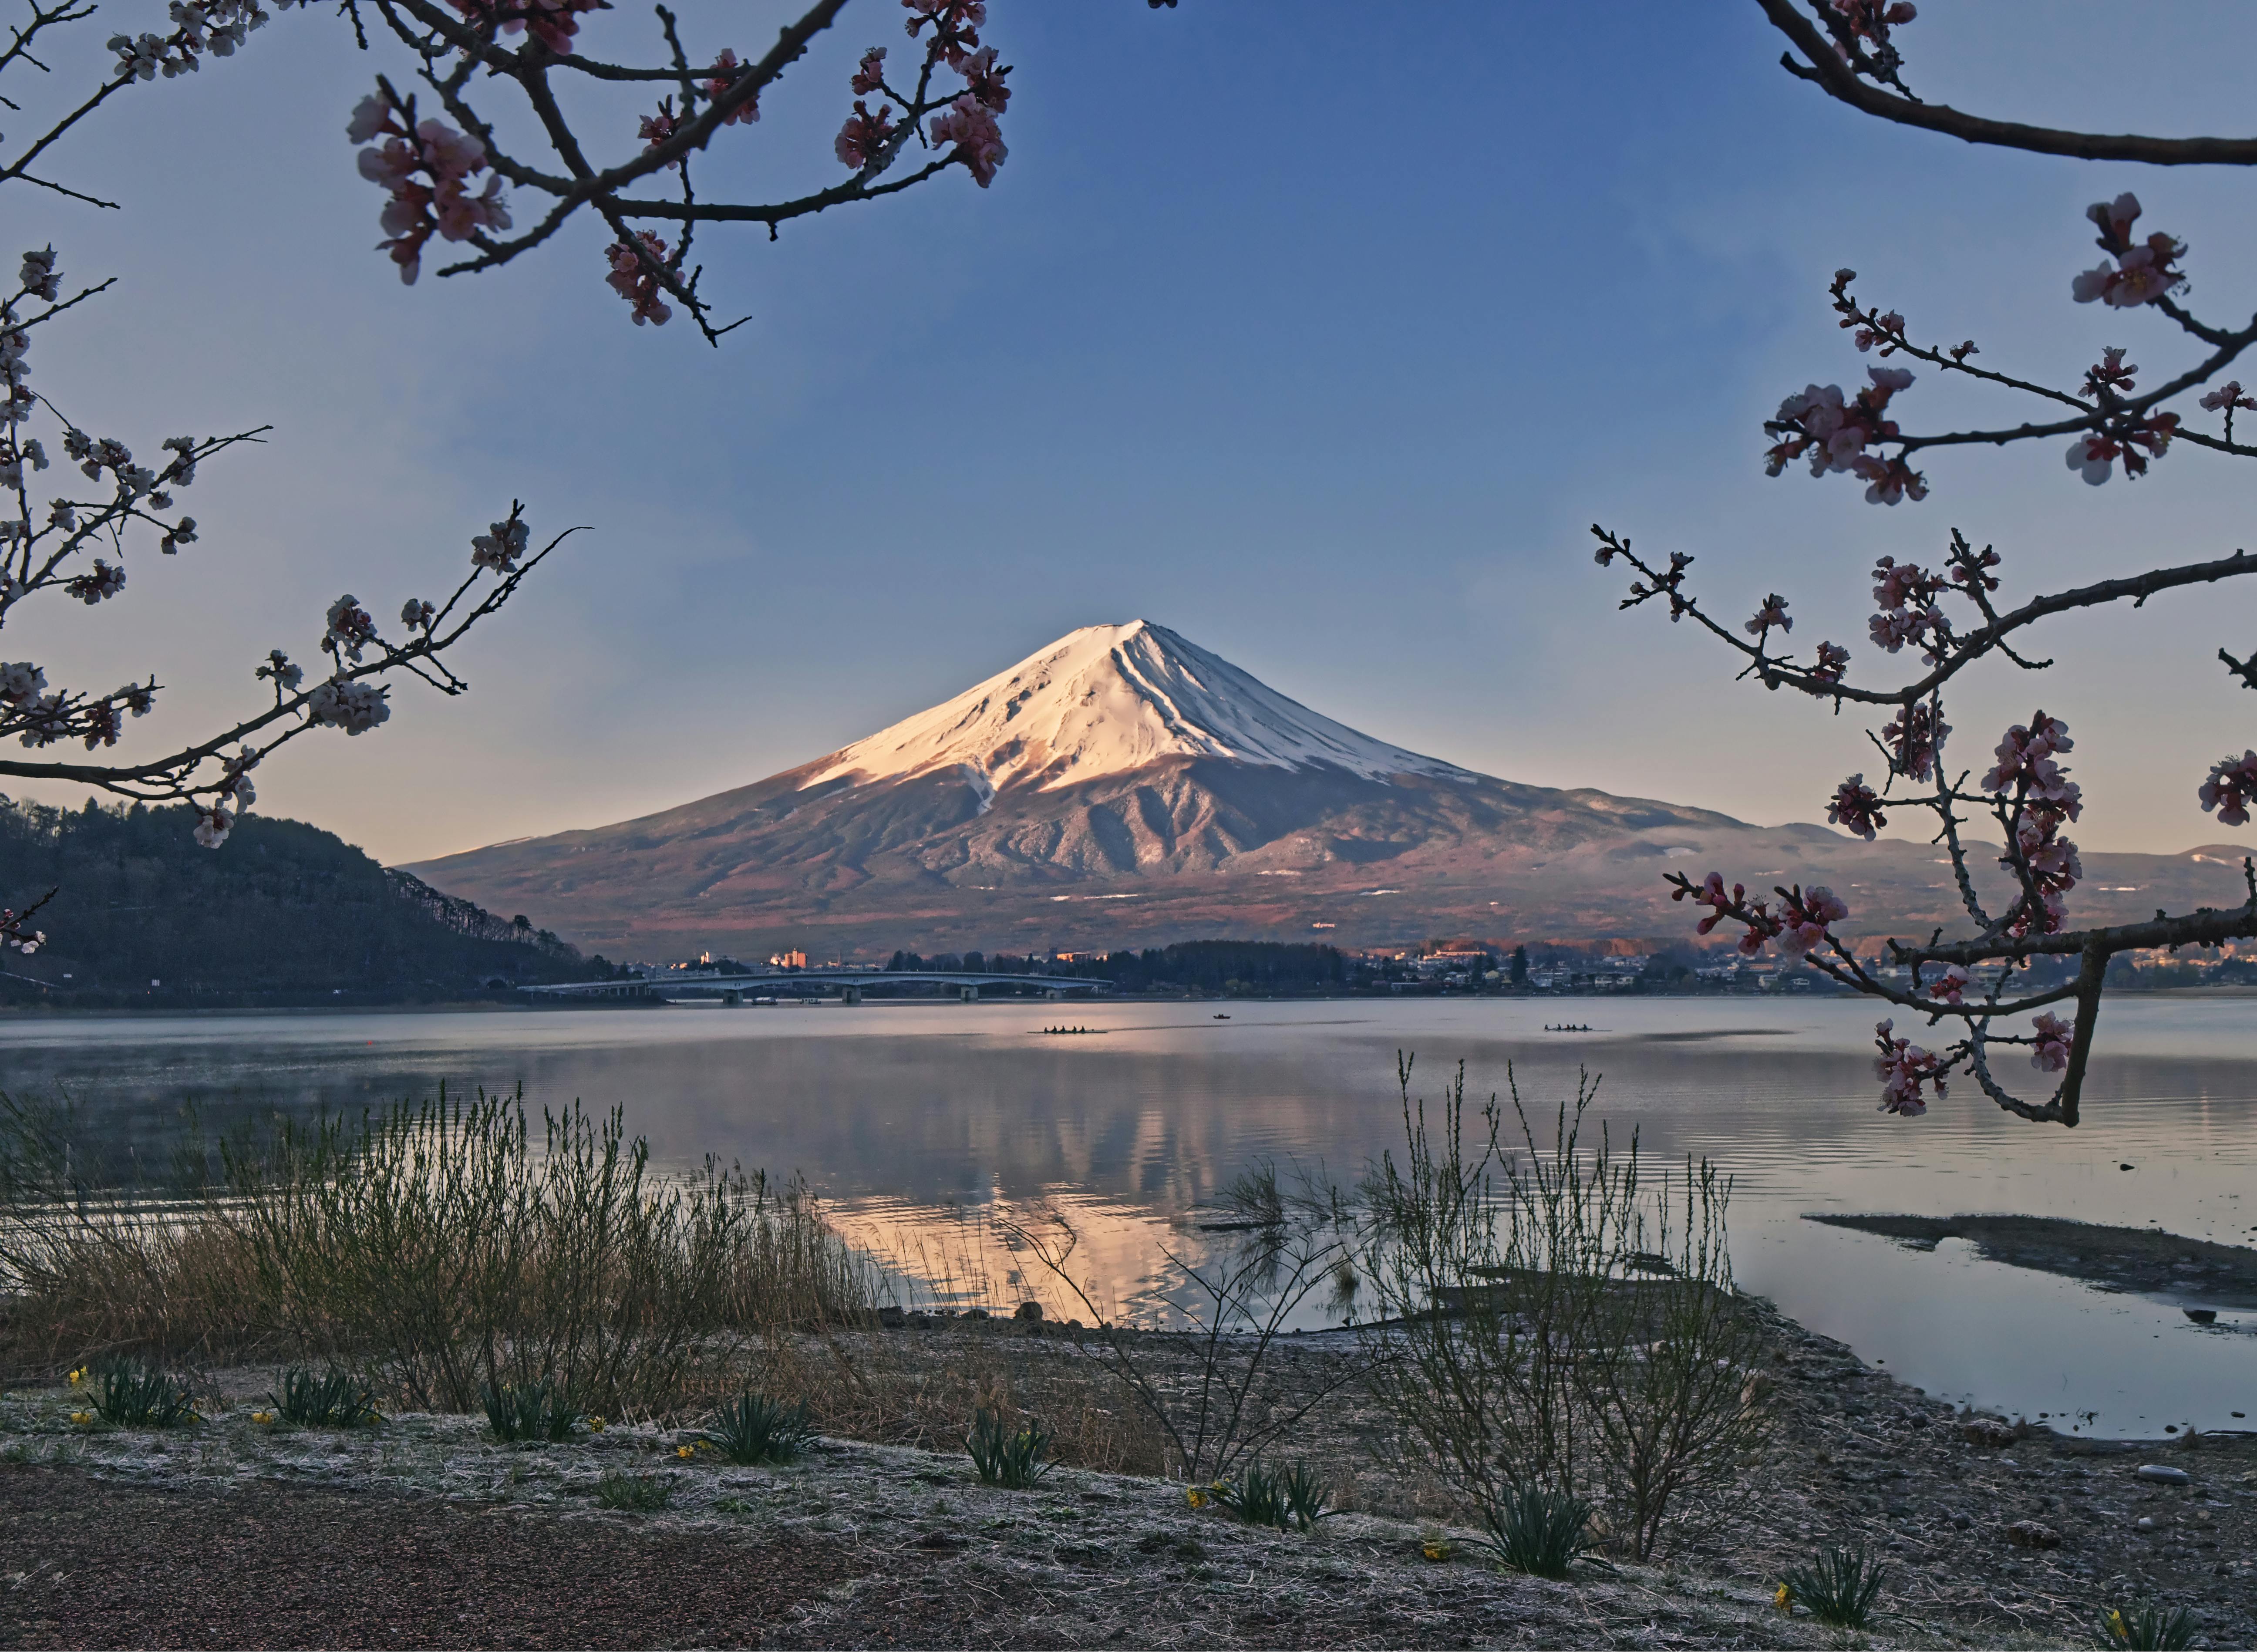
2147	1627
132	1395
1839	1588
539	1410
1541	1531
1520	1337
754	1428
1283	1498
1285	1243
635	1493
1013	1461
330	1398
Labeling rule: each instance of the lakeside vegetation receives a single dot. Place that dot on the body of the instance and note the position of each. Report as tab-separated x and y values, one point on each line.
465	1255
1548	1365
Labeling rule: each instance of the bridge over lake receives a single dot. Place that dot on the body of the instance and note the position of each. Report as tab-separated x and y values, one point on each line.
697	986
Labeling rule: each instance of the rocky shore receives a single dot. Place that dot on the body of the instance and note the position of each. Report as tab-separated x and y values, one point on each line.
236	1531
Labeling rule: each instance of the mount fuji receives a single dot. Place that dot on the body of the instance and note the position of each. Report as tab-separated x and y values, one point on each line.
1125	786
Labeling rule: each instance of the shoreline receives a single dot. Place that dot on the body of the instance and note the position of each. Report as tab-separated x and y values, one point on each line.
461	1006
932	1557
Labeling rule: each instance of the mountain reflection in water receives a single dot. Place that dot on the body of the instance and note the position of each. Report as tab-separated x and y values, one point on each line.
926	1125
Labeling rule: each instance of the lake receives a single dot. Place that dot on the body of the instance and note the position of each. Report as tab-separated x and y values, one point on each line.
922	1125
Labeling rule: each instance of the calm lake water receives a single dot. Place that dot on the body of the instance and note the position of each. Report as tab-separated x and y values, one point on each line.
924	1124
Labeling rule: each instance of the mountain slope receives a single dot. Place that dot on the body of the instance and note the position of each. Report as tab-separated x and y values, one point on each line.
1125	785
282	913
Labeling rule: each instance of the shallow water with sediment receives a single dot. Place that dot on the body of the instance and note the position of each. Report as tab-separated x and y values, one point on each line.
930	1128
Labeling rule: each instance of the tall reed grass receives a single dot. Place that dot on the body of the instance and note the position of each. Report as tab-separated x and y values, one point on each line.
444	1248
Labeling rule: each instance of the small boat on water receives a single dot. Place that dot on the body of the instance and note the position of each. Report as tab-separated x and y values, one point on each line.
1565	1027
1222	1017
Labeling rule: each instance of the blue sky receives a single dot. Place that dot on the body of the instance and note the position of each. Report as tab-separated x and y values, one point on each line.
1319	341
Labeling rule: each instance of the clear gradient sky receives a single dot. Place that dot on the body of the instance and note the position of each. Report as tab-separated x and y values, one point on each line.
1317	331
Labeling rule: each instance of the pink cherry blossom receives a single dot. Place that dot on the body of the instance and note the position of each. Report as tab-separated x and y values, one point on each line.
1971	571
553	23
2110	375
499	547
863	139
655	129
102	582
986	86
426	172
1832	661
954	26
1804	916
286	677
1832	433
1912	740
350	629
971	127
1948	987
2229	396
1904	1068
2026	755
2143	271
213	824
725	72
2233	783
1856	808
1772	613
633	279
870	73
1888	331
355	707
2051	1052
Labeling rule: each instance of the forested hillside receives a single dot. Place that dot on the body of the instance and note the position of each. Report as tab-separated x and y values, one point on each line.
282	913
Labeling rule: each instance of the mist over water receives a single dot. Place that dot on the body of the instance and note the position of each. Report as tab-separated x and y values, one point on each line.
921	1124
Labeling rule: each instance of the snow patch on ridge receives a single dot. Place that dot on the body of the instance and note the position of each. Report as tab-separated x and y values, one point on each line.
1110	699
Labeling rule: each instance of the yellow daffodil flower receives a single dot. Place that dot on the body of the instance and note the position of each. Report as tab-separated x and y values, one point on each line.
81	1416
78	1375
262	1416
1784	1599
2117	1632
1435	1549
685	1450
595	1425
1196	1497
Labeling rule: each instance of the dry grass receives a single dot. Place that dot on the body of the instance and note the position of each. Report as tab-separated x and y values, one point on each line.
438	1249
922	1389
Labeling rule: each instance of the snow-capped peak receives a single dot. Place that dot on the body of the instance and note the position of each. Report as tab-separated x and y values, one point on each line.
1110	699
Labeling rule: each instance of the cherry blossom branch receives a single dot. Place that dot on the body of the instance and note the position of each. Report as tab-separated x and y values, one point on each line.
1817	60
16	930
1851	51
1822	680
2027	795
214	27
466	46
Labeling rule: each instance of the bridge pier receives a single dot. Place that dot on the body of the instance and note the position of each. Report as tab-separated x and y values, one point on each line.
733	999
971	995
1055	995
850	994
